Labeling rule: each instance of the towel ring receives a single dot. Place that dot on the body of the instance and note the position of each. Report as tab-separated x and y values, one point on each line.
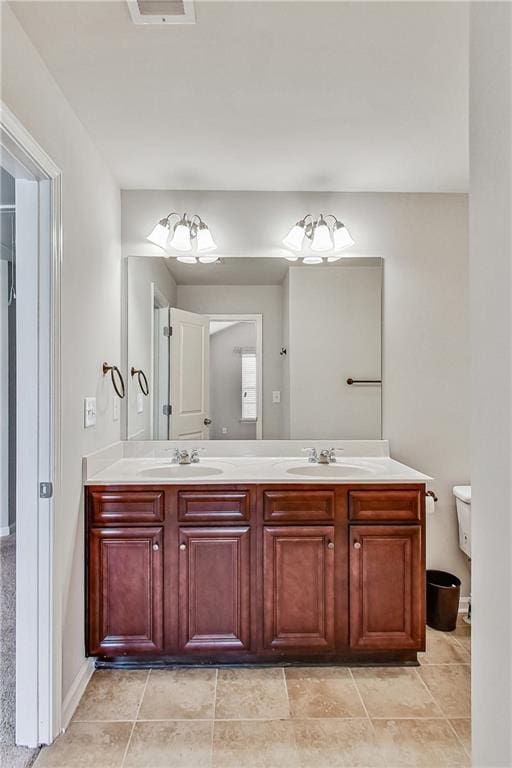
117	379
141	378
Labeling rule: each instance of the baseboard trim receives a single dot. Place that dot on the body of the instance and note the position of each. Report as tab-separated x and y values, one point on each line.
76	692
464	604
7	530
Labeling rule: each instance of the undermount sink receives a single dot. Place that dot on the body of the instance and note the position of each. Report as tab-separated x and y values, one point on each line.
181	471
330	470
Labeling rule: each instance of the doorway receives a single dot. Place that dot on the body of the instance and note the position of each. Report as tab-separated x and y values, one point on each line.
30	440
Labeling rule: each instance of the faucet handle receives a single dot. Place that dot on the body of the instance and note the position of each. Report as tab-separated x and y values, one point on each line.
175	452
332	454
194	455
313	455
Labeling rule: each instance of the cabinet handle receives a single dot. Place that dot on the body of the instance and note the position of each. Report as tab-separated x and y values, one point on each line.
357	545
183	547
156	547
330	545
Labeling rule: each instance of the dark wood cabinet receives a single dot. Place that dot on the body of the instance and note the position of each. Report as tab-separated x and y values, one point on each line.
125	590
214	588
386	587
298	587
248	573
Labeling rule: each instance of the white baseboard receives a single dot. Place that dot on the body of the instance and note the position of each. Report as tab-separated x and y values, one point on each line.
464	604
7	530
76	692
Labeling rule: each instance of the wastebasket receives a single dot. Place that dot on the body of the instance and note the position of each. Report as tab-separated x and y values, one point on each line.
443	594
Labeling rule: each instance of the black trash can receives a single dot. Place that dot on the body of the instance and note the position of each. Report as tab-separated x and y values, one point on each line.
443	594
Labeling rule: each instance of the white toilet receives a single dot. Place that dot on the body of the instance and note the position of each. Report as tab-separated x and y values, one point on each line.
462	495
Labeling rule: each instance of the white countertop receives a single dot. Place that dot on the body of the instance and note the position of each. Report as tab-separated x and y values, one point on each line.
279	461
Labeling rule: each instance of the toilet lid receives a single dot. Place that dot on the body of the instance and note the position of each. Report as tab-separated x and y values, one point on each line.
463	492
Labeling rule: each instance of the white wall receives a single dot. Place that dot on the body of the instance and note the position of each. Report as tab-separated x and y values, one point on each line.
226	382
4	400
334	333
140	274
423	241
263	300
91	308
491	348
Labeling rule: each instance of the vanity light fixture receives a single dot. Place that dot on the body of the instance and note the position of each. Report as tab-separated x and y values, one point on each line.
181	235
324	239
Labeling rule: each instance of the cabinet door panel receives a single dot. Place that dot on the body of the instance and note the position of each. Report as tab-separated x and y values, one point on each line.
386	587
125	591
298	584
384	506
214	596
281	506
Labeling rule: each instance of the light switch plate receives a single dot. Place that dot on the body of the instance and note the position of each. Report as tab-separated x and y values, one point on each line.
276	396
224	430
89	412
115	408
140	403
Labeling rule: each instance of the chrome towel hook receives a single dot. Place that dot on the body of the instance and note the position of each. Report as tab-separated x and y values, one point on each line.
141	378
117	379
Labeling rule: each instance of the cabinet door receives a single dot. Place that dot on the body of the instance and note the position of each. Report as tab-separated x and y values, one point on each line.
125	591
387	599
298	585
214	592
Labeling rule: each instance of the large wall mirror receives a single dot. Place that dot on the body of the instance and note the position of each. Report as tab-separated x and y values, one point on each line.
253	348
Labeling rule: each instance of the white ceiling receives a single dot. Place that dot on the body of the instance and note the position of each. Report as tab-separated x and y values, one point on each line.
268	95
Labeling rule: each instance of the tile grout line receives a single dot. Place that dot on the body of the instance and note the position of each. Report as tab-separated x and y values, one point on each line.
449	721
438	705
135	720
359	694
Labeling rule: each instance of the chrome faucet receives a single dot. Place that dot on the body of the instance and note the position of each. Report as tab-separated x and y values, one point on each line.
183	456
326	456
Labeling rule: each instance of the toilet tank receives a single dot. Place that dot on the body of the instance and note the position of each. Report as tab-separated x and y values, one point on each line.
462	495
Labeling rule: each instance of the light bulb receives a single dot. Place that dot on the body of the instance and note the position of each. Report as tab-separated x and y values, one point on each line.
342	237
181	237
295	236
159	234
291	258
205	241
208	259
321	236
187	259
336	257
312	259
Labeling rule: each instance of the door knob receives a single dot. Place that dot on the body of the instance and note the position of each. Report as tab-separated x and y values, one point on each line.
357	545
156	547
206	422
183	547
330	545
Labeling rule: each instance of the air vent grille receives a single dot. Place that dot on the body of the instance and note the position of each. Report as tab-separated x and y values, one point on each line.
162	12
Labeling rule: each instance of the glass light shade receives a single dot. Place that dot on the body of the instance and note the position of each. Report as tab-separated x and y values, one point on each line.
342	237
291	258
181	237
208	259
205	241
322	240
335	257
159	234
187	259
312	259
295	237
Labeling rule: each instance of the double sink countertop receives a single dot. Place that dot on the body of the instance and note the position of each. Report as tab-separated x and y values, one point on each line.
235	462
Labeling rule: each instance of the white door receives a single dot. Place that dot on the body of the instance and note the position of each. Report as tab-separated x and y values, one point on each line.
189	375
160	374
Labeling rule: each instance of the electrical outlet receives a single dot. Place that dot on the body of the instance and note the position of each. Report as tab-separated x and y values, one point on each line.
116	405
89	412
140	402
276	396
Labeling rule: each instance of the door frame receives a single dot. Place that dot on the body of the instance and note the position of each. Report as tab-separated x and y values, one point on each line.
38	599
258	320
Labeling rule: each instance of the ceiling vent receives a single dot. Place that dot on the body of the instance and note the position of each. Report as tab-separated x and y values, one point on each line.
162	11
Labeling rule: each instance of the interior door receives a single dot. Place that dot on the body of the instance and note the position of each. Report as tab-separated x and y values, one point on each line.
161	372
189	375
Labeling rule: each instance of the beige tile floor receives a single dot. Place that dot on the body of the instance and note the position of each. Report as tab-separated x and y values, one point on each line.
309	717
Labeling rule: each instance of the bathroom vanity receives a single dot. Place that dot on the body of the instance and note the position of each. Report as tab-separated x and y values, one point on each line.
257	559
